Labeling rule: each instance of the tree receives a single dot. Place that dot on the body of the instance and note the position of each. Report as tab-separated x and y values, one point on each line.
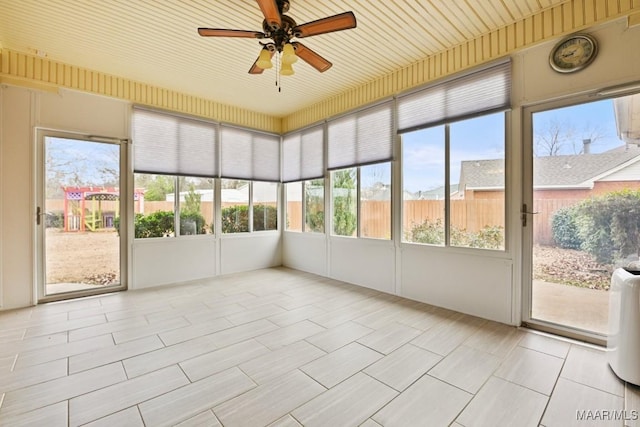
552	137
156	186
555	137
344	205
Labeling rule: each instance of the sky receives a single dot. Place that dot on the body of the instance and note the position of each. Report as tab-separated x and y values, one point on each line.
479	138
80	162
482	138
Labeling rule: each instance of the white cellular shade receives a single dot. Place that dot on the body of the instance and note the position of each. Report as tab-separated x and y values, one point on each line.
174	145
303	155
483	91
249	155
362	137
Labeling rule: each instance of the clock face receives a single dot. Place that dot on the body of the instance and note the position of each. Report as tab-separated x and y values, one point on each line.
573	53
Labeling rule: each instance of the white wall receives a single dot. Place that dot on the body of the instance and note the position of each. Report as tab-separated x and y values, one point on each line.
244	252
17	214
305	252
167	260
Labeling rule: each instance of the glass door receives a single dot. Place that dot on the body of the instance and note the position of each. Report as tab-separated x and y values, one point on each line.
78	217
581	211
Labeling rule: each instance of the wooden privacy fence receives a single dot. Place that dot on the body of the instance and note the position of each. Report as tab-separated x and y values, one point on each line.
471	215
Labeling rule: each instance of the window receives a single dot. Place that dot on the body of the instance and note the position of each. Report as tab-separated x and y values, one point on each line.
362	201
294	206
195	205
154	214
265	206
235	206
375	201
468	208
453	144
423	195
155	205
312	210
477	179
314	206
345	201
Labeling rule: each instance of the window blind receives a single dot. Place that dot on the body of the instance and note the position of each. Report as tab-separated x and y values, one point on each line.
303	155
173	145
362	137
249	155
483	91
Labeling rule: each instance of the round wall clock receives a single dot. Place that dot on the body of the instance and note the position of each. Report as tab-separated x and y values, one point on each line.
573	53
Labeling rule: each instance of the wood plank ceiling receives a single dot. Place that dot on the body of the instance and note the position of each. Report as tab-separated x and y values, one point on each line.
156	42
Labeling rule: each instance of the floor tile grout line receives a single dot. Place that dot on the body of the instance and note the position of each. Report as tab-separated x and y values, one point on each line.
555	384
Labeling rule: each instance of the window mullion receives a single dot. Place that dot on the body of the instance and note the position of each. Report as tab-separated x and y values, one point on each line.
447	186
358	204
176	206
303	189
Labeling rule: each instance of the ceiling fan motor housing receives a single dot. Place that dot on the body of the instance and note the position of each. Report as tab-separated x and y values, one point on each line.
282	35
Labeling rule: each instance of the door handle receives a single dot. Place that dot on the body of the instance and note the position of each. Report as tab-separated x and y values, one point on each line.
38	215
523	214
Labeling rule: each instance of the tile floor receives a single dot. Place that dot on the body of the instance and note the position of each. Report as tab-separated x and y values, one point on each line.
279	347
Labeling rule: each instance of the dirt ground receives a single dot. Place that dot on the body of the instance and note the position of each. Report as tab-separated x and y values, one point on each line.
570	267
82	257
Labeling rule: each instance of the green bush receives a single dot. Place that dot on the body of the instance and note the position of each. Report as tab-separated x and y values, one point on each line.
192	223
429	232
432	233
265	217
156	224
564	226
315	221
609	225
235	219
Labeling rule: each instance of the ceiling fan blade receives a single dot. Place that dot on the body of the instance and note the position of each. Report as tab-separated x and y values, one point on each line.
255	69
271	13
219	32
311	58
342	21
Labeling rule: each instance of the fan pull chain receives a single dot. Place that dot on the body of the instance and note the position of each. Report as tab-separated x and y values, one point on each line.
278	78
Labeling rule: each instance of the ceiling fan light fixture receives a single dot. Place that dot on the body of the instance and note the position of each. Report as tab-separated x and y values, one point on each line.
286	70
289	54
264	60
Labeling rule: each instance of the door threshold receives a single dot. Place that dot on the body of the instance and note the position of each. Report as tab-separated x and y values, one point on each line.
566	332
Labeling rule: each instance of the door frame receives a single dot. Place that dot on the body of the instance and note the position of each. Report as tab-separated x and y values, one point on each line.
41	134
527	231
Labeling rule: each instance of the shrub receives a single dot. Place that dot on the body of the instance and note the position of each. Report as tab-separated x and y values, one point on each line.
315	221
432	232
235	219
265	217
344	220
156	224
564	226
608	225
429	232
54	219
192	223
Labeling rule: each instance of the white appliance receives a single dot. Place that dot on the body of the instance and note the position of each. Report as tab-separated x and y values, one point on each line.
623	344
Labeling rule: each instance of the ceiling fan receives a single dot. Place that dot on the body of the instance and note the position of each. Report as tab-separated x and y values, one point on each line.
281	29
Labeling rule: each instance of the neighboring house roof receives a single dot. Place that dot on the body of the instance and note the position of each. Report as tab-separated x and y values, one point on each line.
433	194
565	171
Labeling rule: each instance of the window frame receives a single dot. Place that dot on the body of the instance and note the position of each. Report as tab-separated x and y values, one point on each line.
447	182
358	179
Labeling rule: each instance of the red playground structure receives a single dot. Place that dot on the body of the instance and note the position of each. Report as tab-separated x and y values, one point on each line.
93	208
